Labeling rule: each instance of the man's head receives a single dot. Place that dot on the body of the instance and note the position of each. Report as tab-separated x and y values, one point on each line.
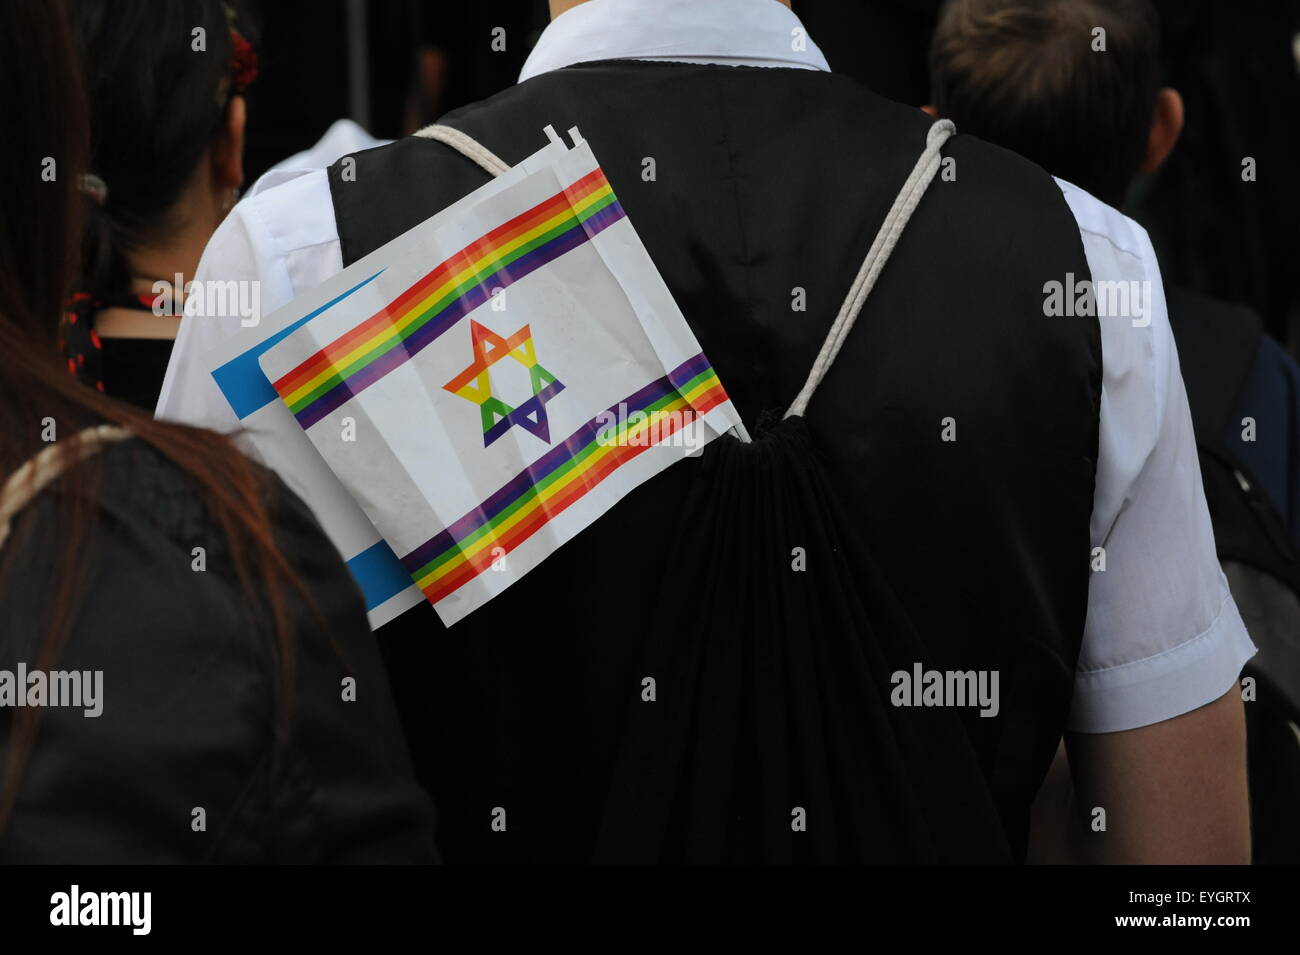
1071	84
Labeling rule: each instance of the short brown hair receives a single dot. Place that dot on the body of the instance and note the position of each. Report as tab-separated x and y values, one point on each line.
1026	74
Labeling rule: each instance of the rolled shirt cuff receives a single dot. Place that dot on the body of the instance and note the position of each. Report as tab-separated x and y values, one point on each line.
1166	685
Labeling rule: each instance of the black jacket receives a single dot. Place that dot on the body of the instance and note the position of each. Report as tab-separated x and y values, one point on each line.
189	690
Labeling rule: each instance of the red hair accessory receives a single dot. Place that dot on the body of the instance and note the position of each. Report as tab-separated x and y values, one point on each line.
243	63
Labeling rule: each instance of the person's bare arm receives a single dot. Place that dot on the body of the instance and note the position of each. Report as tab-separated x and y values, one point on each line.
1173	792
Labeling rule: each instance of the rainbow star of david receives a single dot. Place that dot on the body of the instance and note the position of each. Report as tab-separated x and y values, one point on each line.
475	384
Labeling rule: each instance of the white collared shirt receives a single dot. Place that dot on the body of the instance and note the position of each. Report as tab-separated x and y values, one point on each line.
725	32
1163	635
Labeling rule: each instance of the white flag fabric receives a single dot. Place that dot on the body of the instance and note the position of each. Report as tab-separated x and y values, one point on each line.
491	382
269	432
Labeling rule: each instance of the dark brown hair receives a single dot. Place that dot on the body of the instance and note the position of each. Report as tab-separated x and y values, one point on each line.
44	113
1024	74
155	107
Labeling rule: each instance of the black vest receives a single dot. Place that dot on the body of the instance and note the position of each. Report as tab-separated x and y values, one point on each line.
958	424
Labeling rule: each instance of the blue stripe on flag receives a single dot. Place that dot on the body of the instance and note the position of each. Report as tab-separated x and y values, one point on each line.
379	574
241	379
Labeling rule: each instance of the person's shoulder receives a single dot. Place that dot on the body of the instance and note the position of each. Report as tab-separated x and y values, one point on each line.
154	543
996	206
1005	184
189	674
343	138
1097	218
985	188
285	212
148	504
288	210
147	492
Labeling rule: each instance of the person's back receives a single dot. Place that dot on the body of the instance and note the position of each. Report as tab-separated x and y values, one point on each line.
1074	86
962	470
170	727
989	515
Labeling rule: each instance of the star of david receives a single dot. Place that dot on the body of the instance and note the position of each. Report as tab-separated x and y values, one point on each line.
474	384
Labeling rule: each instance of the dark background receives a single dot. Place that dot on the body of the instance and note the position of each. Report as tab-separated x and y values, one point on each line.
396	65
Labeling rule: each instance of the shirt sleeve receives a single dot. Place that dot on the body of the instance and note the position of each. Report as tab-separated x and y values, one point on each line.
282	241
1163	635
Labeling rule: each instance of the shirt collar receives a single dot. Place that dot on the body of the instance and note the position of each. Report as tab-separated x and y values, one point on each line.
732	32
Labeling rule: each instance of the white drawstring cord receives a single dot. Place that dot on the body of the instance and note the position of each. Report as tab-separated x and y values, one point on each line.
886	239
467	146
44	467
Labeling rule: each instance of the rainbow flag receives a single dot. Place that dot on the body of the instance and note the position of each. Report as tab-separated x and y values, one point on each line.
449	292
498	382
560	477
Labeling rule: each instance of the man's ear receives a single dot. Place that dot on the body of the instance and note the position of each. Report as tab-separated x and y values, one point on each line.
931	111
1166	127
228	148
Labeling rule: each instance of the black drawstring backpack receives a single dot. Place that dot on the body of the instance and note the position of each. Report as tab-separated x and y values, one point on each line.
772	737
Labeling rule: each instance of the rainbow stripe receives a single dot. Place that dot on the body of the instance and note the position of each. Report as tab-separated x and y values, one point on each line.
356	360
560	477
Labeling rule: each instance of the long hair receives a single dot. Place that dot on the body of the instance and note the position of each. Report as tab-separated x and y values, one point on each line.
156	104
44	111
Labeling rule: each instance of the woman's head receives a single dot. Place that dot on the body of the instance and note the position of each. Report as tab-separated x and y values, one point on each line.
163	82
